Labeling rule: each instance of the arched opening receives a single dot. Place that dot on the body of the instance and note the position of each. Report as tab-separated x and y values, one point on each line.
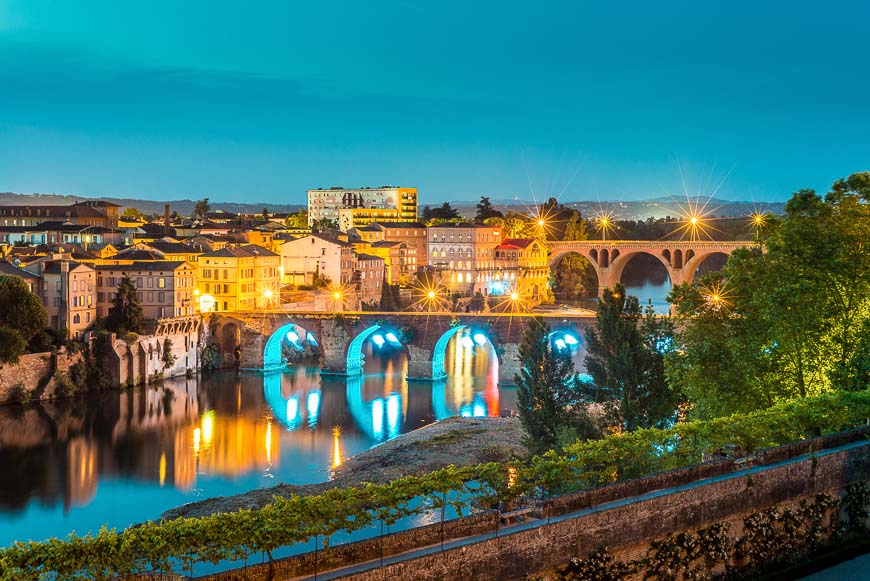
568	340
646	277
465	366
230	338
381	346
573	279
290	342
605	258
705	264
678	259
666	254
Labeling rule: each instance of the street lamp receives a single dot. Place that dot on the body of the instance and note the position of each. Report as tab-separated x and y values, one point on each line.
336	296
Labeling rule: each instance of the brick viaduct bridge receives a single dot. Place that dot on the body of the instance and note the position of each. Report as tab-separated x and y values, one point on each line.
423	336
680	258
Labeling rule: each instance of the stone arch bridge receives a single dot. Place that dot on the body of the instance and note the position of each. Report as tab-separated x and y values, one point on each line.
340	338
680	258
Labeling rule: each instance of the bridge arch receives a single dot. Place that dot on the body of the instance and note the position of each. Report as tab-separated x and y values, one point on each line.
696	261
355	358
379	418
295	334
478	337
617	267
591	258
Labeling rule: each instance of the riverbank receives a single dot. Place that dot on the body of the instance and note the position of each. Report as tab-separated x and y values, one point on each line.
457	441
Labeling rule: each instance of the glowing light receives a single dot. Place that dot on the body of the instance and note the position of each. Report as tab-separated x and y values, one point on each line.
515	296
312	404
431	294
378	340
197	439
716	296
480	338
162	468
604	223
269	441
310	338
196	292
478	410
206	303
267	293
336	295
393	415
336	447
378	418
292	408
571	339
695	219
467	342
208	428
293	336
541	222
391	337
560	344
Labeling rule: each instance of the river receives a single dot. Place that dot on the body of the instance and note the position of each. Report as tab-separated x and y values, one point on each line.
124	456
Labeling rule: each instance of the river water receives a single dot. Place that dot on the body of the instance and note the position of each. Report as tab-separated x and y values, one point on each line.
121	457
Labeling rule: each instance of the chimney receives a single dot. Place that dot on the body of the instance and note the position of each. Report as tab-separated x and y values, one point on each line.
166	219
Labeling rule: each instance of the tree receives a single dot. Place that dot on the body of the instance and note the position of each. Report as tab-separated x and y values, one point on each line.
125	315
168	358
625	359
323	225
266	214
485	211
131	214
201	208
574	278
20	309
794	322
298	220
12	345
444	212
549	398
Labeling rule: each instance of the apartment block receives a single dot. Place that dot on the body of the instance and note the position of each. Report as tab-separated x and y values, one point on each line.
163	288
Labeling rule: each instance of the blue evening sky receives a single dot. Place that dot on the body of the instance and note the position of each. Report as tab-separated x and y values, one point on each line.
258	101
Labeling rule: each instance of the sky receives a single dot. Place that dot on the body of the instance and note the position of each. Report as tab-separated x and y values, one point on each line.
260	101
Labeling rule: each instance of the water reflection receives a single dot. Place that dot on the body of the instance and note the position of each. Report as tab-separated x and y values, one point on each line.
121	457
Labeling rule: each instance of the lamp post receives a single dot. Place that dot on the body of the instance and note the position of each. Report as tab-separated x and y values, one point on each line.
336	296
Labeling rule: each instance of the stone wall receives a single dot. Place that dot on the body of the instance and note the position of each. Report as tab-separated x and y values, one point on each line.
38	373
624	516
141	360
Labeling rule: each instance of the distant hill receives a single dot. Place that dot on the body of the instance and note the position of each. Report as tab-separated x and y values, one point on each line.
183	207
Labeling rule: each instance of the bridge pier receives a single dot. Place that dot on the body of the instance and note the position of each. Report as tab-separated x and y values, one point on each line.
333	339
420	364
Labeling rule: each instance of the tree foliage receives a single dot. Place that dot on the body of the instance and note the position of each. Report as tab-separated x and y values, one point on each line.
201	208
125	314
443	213
794	315
485	211
625	359
549	397
22	317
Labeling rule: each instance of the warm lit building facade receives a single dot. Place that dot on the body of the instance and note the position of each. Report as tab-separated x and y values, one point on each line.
362	206
163	288
464	255
68	291
317	257
521	266
88	213
369	276
413	234
239	278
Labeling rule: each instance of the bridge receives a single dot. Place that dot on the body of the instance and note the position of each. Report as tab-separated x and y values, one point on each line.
681	258
339	337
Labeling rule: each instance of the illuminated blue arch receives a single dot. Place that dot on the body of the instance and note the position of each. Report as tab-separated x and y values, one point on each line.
290	411
566	339
380	418
355	357
438	354
272	356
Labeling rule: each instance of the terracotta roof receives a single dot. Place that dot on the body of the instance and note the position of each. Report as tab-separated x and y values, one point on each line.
516	242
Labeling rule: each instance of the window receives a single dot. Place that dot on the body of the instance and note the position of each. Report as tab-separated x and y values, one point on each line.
161	282
76	319
75	285
87	317
160	296
150	282
226	274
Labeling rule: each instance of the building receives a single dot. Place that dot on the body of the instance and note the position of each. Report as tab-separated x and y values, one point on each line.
169	249
68	291
413	234
239	278
359	207
369	276
60	233
521	265
463	255
88	213
315	258
163	288
400	261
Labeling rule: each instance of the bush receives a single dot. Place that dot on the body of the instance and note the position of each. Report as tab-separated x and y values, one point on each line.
12	345
20	394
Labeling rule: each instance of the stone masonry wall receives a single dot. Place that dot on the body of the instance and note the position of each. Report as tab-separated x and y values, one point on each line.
37	372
